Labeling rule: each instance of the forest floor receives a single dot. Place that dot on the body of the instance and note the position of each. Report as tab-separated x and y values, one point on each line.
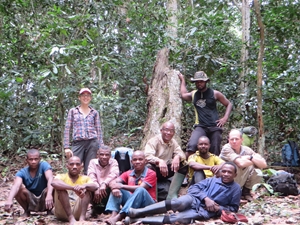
263	210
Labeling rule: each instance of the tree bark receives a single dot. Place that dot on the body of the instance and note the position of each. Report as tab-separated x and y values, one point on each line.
164	102
261	138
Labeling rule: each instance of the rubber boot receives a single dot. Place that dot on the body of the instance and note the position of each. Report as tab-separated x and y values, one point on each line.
157	208
175	185
152	220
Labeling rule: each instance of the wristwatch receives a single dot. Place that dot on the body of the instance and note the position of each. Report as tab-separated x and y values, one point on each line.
251	157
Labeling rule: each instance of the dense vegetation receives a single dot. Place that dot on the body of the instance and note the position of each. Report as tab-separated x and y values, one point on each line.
50	49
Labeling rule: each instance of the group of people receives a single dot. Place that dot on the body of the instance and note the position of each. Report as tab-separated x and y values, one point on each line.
218	177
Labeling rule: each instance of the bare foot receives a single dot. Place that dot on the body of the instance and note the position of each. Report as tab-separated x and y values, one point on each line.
72	220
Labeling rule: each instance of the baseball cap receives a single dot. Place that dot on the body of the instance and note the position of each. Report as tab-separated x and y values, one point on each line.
82	90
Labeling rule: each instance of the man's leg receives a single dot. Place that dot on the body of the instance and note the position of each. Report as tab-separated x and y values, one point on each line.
193	141
215	137
63	210
91	149
177	181
197	177
81	205
114	204
22	198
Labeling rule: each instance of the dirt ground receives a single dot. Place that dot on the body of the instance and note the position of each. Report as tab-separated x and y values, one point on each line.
263	210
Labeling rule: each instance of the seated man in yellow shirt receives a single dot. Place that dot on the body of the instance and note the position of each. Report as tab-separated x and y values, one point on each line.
203	164
72	192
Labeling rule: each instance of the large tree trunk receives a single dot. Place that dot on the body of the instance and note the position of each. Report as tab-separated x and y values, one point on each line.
164	102
261	139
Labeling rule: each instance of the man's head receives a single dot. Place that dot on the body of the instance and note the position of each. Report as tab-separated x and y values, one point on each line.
228	172
85	96
167	131
200	78
235	139
104	154
203	145
33	158
74	166
138	161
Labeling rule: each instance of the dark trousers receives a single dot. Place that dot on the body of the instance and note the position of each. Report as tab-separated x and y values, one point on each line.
85	150
197	177
213	133
183	169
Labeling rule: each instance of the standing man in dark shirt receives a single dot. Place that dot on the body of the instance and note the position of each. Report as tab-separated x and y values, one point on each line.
83	123
207	122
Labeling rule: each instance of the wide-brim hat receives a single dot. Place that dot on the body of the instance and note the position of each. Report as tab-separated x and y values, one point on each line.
200	75
82	90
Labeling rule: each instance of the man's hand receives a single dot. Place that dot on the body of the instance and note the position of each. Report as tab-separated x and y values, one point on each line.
49	201
102	190
163	168
79	190
8	206
116	192
68	153
221	122
116	185
215	169
175	163
181	77
97	197
211	205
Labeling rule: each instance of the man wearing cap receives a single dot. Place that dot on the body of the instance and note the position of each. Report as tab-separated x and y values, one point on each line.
83	123
207	122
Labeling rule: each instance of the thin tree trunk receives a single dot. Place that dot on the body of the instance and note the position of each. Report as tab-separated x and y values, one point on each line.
261	138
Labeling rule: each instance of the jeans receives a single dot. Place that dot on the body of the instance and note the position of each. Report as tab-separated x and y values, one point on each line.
138	199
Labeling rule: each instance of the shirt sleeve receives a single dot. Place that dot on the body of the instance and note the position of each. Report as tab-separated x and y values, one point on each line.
124	176
92	171
98	129
234	204
150	151
178	151
192	158
113	171
228	154
150	178
68	127
218	160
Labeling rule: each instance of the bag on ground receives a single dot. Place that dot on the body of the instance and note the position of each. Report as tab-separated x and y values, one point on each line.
290	154
231	217
284	183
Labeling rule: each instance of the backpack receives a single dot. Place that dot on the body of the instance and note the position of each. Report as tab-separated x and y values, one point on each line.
284	183
290	154
123	156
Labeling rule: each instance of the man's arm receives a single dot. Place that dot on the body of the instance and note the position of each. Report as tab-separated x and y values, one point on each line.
185	95
69	124
221	98
13	192
49	197
62	186
198	166
98	129
247	160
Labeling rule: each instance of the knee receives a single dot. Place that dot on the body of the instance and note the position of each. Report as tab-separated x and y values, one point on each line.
181	203
140	190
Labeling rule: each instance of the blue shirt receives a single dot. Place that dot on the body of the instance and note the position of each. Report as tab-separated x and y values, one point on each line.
227	196
36	184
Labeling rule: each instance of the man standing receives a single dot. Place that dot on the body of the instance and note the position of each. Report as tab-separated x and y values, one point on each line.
32	186
135	188
83	122
166	158
203	164
207	122
246	160
102	171
72	192
203	201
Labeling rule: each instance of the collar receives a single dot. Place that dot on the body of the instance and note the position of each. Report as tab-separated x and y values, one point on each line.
98	163
77	107
143	174
164	143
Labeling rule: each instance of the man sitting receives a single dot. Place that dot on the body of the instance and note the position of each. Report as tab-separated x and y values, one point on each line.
203	164
203	201
135	188
246	160
102	171
72	192
166	158
32	186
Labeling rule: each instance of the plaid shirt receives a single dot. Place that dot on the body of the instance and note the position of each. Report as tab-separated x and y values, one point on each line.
83	128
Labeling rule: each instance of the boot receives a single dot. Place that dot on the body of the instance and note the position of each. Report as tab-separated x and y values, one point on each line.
157	208
175	185
152	220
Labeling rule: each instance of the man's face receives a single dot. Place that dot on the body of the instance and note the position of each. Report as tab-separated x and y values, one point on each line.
138	161
235	140
200	85
203	145
104	156
227	173
33	160
74	166
167	132
85	98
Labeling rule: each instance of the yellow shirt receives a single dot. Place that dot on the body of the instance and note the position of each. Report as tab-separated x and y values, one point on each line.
212	160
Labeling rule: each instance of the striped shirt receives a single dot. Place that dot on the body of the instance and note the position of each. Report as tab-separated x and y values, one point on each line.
82	128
